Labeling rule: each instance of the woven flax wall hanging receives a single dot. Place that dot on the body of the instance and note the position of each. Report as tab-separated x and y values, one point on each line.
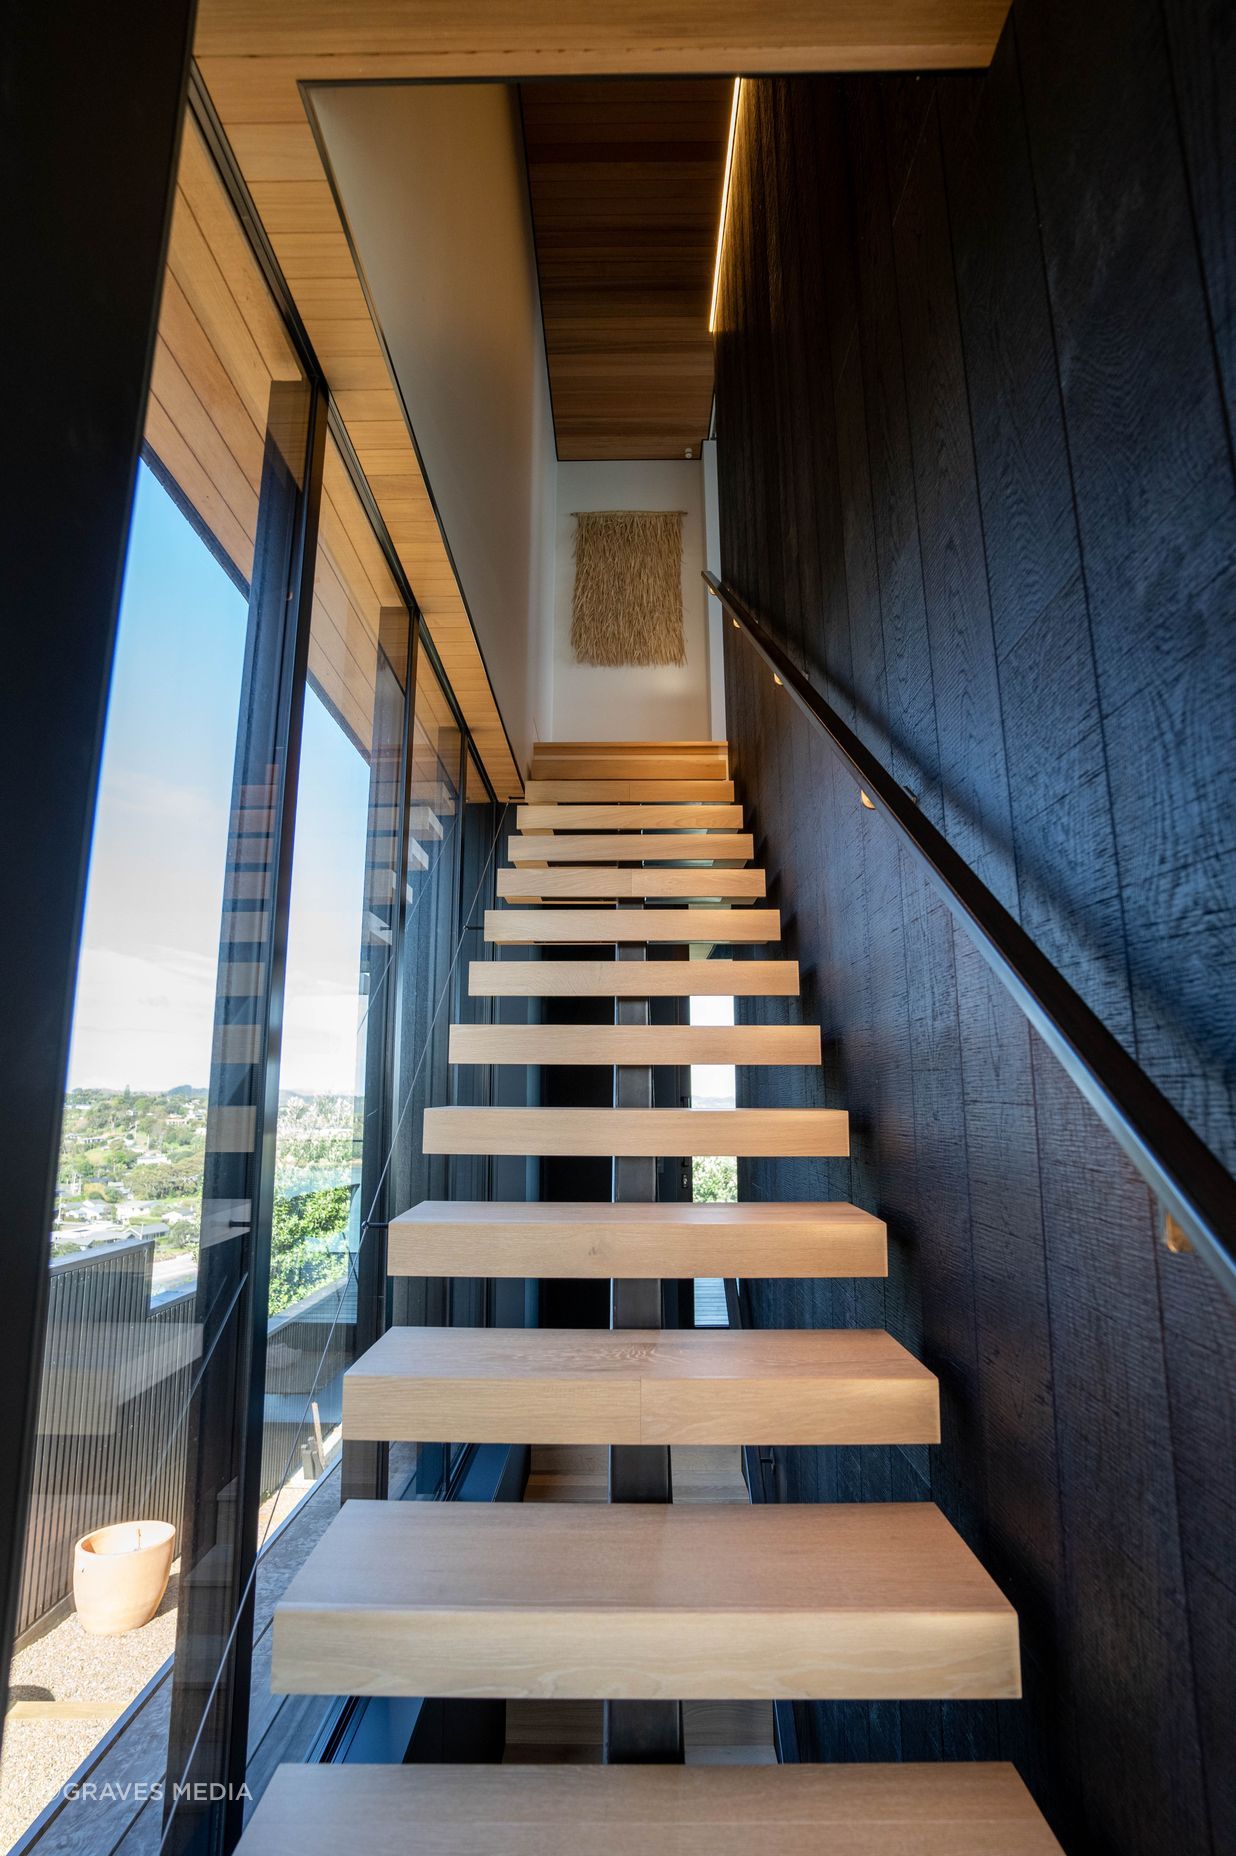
628	587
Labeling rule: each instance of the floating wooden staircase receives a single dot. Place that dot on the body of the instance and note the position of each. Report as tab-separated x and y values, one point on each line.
641	1603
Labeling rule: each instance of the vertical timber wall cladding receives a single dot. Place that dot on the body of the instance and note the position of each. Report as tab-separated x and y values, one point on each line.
976	363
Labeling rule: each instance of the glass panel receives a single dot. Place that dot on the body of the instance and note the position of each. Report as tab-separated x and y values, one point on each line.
130	1328
715	1177
430	939
471	1083
122	1343
341	934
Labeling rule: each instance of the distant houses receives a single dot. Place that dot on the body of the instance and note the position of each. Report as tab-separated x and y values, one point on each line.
95	1231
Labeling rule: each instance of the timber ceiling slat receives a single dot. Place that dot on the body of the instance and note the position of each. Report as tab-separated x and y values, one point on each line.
525	38
625	180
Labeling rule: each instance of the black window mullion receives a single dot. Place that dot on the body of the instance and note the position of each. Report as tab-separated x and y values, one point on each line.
207	1743
365	1465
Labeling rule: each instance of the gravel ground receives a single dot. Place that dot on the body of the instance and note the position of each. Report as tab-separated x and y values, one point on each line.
41	1754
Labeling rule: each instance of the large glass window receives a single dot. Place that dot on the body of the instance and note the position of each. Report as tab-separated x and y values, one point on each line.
123	1351
121	1340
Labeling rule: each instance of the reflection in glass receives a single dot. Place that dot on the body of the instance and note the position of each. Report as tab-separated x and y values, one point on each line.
122	1343
344	895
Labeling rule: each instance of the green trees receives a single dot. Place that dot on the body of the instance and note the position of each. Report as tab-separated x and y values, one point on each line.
163	1180
714	1180
306	1243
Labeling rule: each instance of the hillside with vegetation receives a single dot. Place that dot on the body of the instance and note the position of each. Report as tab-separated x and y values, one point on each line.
133	1161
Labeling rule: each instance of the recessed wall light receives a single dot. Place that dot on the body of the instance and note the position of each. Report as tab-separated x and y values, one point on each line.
725	204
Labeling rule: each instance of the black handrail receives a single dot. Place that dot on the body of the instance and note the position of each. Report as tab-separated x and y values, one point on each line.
1192	1185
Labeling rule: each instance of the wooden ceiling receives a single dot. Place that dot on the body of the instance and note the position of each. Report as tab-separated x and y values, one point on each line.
255	54
625	178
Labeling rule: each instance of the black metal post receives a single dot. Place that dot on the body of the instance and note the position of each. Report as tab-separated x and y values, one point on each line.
90	121
638	1732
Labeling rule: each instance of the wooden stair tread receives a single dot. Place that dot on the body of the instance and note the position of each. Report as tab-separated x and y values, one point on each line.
553	753
864	1601
443	1237
425	821
628	791
679	744
592	766
533	927
628	847
968	1808
631	883
640	1386
656	1044
639	979
631	817
747	1132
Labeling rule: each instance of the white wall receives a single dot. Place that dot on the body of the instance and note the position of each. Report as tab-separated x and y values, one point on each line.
433	185
592	702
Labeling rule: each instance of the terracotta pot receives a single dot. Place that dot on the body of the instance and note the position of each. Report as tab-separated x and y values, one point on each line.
120	1575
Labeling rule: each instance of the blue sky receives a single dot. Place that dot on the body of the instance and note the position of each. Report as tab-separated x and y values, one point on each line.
145	998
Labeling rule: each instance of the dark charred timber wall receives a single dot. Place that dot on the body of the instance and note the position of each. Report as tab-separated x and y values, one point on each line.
975	386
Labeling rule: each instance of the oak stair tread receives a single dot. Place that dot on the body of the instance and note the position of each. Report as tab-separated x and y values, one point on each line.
640	1386
624	979
859	1601
630	817
481	1237
793	1133
540	927
631	1044
592	766
631	883
628	791
678	744
971	1808
699	760
629	847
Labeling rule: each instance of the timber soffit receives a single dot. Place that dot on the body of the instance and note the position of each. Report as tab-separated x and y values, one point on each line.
254	56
